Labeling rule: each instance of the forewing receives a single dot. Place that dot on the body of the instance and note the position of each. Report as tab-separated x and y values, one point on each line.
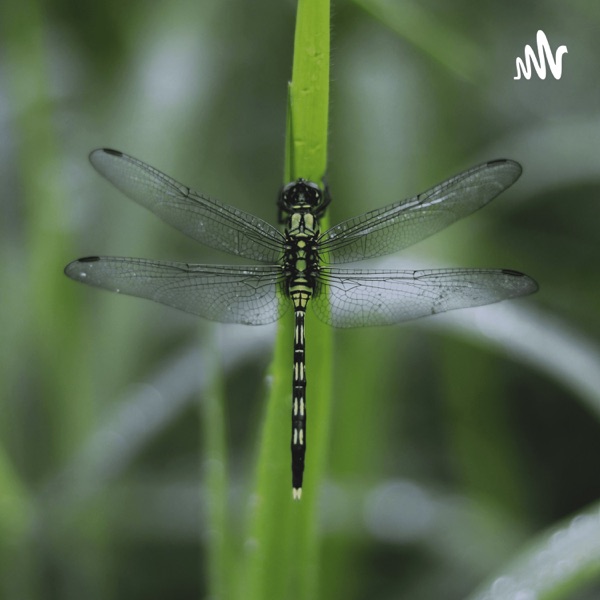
202	218
229	294
404	223
357	298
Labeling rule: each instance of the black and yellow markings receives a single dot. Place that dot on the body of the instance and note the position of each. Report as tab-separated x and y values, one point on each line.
302	263
298	407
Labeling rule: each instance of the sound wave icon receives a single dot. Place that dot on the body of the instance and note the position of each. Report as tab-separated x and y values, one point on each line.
544	54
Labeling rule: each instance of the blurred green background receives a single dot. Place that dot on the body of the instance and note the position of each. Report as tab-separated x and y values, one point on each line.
455	439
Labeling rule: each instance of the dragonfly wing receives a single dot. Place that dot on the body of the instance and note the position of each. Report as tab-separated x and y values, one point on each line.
399	225
202	218
357	298
229	294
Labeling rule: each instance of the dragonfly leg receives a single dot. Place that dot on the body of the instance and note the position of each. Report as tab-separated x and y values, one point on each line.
326	198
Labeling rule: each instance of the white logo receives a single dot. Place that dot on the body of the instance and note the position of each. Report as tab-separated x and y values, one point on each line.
539	62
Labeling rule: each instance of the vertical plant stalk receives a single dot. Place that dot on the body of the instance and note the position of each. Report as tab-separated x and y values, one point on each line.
45	334
214	458
309	93
281	549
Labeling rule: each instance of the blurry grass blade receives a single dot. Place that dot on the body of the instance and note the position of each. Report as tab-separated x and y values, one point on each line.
417	24
15	509
556	564
214	467
121	436
550	345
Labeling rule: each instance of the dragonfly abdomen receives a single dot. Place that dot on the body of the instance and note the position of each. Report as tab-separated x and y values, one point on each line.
301	262
298	406
301	287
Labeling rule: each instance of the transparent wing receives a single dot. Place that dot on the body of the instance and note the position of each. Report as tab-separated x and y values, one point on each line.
228	294
202	218
404	223
357	298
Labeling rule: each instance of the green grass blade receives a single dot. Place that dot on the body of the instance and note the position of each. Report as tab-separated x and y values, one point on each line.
422	29
309	93
281	551
479	430
557	563
307	138
215	481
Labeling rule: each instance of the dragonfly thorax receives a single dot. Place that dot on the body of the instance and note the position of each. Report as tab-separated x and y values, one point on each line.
301	254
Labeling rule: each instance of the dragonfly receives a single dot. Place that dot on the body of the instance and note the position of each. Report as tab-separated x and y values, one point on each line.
298	265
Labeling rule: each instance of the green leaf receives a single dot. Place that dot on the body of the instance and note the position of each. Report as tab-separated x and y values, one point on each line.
281	549
557	563
416	24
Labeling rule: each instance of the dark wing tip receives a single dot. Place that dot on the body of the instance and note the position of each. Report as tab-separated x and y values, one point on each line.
73	269
104	151
531	284
506	161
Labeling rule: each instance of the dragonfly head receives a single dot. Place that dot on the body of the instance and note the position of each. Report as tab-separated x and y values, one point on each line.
301	194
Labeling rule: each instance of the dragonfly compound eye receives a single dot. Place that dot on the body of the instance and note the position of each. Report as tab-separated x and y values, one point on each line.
302	193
